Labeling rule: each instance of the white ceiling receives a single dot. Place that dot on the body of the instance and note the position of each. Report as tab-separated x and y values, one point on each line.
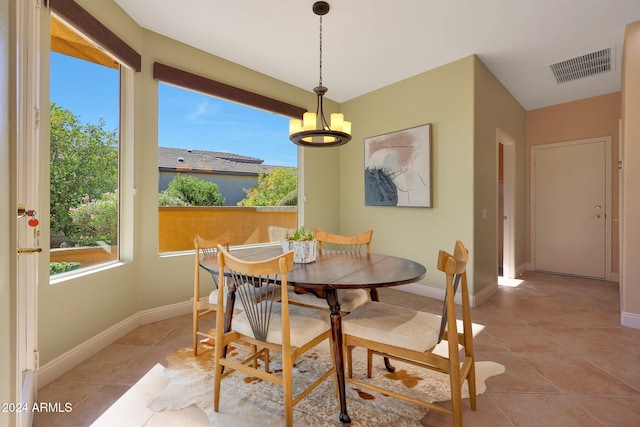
368	44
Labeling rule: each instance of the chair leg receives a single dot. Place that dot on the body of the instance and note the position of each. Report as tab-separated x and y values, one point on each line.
254	348
471	384
287	374
195	332
456	393
471	381
369	362
217	377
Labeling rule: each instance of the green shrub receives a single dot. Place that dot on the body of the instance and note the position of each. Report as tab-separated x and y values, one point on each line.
193	191
96	222
61	267
274	188
290	199
165	199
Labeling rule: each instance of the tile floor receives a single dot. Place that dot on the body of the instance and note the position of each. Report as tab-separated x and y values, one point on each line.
568	361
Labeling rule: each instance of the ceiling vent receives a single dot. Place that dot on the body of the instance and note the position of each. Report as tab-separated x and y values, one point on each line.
582	66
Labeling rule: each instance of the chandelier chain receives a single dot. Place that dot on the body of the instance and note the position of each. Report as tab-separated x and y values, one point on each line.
320	84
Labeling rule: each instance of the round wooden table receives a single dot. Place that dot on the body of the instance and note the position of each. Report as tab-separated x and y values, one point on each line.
331	271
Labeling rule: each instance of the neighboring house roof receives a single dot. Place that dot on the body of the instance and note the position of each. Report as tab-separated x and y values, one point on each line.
213	162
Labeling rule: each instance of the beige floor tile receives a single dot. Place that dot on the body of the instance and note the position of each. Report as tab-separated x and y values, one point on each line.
613	411
573	374
543	410
568	361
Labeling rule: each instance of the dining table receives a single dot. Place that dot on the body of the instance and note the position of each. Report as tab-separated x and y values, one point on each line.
332	271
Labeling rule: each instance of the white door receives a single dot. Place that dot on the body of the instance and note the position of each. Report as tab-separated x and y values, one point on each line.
27	192
571	204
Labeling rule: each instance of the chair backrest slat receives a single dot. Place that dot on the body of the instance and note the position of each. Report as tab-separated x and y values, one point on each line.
208	247
454	266
259	286
357	243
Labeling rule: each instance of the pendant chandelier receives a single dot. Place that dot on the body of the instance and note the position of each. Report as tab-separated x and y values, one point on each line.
314	130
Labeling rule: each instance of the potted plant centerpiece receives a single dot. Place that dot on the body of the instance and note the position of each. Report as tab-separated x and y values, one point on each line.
302	242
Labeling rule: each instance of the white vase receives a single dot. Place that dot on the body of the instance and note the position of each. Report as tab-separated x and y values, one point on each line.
304	252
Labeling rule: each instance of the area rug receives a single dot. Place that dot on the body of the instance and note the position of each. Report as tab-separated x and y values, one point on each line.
249	401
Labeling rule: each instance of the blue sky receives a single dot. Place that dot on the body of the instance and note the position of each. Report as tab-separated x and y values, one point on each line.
186	119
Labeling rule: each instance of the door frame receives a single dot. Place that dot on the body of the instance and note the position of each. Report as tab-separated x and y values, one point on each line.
608	193
509	203
27	187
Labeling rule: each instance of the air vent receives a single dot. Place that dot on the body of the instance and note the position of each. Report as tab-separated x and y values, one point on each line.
582	66
181	159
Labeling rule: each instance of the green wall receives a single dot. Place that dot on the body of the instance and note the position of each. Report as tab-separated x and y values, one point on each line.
466	105
444	98
494	108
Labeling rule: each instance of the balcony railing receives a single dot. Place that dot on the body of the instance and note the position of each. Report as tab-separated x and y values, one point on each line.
178	225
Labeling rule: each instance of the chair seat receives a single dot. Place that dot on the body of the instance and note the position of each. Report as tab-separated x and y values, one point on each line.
305	324
349	299
393	325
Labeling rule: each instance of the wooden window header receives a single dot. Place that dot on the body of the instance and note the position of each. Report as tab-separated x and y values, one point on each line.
83	21
198	83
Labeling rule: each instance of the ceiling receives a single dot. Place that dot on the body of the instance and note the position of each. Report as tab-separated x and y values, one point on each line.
368	44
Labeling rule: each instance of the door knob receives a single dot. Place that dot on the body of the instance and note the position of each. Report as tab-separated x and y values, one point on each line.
22	210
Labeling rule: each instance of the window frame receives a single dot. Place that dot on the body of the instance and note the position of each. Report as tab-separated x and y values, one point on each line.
186	80
74	16
175	76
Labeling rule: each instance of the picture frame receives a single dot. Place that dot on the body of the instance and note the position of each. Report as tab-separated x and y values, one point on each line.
398	168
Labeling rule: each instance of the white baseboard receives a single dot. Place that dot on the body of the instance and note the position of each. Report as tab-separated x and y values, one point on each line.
484	294
165	312
521	269
436	293
630	320
72	358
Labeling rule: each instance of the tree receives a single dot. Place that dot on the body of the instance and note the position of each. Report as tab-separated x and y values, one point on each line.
276	188
84	165
190	191
96	221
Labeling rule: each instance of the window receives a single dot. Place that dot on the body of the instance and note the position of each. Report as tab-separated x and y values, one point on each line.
84	152
224	148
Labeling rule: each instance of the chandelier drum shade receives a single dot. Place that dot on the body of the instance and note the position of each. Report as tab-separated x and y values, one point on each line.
314	130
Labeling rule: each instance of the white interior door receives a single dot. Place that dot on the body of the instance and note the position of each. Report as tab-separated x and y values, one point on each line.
27	192
571	206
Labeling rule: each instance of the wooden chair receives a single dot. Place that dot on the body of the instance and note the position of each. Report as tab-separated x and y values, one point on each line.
204	308
278	234
413	336
269	322
349	299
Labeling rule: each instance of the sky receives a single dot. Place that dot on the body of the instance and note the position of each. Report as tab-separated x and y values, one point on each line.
186	119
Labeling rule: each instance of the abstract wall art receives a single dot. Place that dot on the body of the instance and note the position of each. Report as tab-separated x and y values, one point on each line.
398	168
